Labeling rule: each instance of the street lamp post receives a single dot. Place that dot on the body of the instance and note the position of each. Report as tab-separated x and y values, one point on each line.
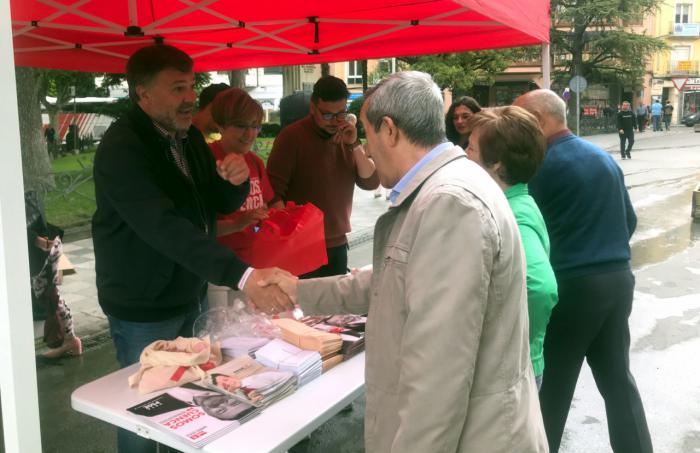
75	121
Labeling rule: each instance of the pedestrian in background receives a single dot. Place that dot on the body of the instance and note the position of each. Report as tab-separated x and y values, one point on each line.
626	122
642	116
656	111
668	113
581	192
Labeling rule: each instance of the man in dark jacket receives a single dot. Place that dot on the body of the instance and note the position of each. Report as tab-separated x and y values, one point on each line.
582	195
626	122
158	190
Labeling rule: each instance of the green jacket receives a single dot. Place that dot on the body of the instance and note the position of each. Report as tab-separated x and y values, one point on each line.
541	283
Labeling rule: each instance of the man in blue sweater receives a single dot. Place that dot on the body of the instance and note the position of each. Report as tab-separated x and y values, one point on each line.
581	193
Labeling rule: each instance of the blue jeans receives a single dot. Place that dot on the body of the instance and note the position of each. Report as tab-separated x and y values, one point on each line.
656	121
130	338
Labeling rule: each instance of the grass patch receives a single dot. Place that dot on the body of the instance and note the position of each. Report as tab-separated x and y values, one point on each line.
73	162
73	200
73	208
262	148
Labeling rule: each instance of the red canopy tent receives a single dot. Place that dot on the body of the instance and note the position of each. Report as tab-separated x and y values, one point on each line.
99	36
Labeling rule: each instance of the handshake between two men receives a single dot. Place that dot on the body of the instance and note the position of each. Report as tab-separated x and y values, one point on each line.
272	290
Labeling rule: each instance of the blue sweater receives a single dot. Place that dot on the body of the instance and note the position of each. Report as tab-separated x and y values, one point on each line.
582	195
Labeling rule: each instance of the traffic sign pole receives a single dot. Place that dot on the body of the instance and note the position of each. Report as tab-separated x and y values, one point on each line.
578	113
578	84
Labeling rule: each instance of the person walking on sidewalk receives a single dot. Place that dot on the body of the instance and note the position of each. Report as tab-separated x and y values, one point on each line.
157	190
642	116
319	159
656	111
590	226
626	122
668	113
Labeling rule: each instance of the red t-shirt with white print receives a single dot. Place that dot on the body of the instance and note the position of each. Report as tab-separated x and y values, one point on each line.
261	192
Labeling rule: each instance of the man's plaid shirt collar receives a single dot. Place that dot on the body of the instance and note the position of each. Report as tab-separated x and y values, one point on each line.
176	148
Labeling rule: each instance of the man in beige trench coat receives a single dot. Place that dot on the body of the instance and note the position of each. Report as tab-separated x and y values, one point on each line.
447	361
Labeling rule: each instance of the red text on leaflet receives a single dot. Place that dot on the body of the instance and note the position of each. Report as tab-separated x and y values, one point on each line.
197	435
189	415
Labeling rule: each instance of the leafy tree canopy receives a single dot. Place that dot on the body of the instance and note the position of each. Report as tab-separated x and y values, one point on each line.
598	38
461	71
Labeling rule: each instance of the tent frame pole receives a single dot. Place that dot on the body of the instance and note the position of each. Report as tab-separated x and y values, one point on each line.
18	381
546	67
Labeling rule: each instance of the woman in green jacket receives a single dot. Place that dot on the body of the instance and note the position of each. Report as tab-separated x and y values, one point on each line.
508	143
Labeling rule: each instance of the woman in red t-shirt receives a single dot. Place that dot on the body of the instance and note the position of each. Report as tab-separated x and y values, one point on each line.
238	117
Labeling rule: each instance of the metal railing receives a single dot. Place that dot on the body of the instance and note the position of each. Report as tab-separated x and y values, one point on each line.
684	30
687	67
69	182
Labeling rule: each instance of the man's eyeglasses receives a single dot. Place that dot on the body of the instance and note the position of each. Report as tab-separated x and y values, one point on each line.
340	116
244	127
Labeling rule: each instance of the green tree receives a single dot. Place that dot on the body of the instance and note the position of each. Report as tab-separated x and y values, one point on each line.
56	83
461	71
36	165
597	39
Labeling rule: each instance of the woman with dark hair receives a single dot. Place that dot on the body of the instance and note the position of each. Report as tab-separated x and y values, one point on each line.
457	119
509	144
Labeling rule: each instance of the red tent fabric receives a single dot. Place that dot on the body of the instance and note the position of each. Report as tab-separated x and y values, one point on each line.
99	35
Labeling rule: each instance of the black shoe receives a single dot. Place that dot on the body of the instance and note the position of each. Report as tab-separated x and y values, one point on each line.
623	158
629	156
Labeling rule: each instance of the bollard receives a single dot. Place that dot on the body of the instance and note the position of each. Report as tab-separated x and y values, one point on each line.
695	208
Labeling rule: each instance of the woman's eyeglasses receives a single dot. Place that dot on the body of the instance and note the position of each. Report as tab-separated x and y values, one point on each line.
244	127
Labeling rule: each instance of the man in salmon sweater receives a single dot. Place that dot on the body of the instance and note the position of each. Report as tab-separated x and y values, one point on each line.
319	159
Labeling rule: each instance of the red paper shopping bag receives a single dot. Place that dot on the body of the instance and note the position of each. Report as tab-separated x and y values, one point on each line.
292	238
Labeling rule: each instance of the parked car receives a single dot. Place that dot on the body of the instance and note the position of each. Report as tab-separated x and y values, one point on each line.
692	119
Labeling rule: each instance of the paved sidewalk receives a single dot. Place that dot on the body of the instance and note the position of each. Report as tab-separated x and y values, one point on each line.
80	292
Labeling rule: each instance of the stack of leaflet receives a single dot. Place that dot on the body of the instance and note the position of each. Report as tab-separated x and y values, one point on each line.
250	382
349	327
280	355
191	415
299	334
242	346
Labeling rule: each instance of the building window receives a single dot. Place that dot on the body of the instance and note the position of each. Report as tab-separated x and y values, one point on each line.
354	72
683	13
680	53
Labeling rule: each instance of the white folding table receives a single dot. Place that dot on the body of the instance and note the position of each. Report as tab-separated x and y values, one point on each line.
276	429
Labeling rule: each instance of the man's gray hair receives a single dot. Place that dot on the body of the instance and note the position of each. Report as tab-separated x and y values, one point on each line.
544	102
414	102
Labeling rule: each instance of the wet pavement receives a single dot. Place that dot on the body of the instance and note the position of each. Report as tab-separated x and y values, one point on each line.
665	323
